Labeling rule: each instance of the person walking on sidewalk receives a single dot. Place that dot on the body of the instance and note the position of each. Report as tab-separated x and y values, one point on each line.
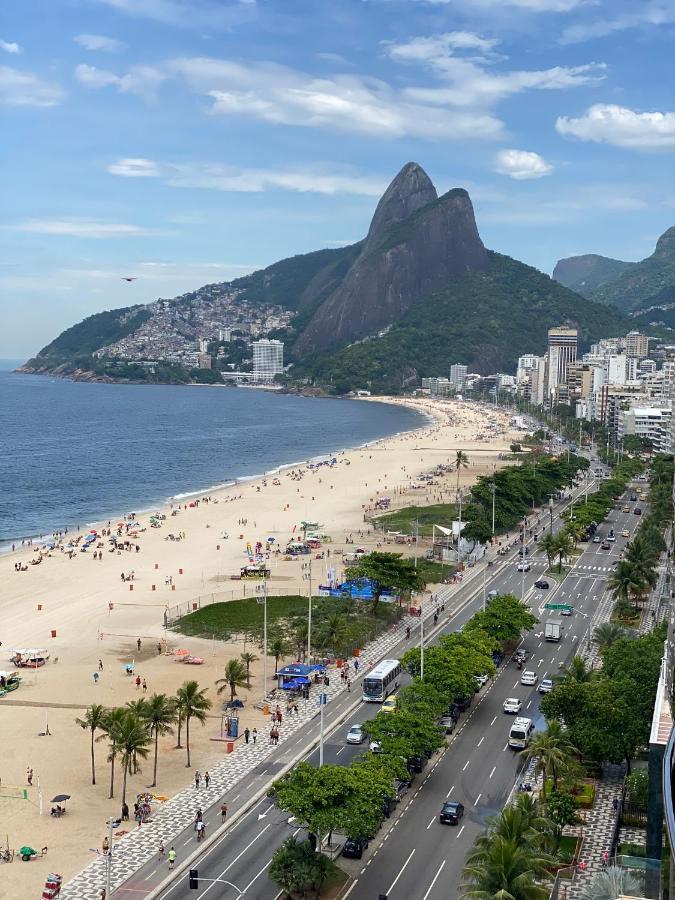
247	734
207	779
198	779
254	735
223	812
172	857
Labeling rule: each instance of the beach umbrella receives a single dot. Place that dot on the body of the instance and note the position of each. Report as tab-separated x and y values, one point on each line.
60	798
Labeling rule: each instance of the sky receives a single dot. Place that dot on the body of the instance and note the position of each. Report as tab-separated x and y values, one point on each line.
184	142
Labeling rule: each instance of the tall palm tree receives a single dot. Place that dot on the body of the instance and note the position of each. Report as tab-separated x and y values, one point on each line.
461	462
563	547
552	752
607	634
248	659
549	545
278	648
576	671
643	562
624	584
133	740
93	721
192	704
611	883
575	530
139	708
234	677
505	869
161	715
111	727
334	631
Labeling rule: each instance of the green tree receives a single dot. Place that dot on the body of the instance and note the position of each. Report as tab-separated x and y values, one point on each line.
562	810
607	634
404	734
576	671
133	739
248	659
93	721
504	619
297	869
461	462
235	676
563	547
191	703
386	570
549	545
624	583
111	726
506	870
477	530
277	648
552	752
161	716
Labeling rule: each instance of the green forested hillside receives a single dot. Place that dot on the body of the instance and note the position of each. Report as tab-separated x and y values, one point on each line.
485	319
93	332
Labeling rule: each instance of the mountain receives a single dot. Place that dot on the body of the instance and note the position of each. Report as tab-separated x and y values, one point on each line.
628	286
584	274
419	292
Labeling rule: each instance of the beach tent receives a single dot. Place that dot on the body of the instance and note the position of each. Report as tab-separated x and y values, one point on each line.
297	671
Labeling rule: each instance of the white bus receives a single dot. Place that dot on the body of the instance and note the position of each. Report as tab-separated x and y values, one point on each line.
381	681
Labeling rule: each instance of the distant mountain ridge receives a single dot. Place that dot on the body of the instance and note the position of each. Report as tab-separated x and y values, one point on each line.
418	293
630	286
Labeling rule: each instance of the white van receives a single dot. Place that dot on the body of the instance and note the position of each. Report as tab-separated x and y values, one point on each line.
520	733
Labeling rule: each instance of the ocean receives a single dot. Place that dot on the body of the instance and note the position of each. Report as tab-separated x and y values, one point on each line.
73	453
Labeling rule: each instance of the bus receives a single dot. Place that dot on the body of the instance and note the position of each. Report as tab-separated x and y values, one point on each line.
381	681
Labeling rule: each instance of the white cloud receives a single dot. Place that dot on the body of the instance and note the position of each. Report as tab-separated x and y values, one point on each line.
144	81
438	46
187	13
10	47
621	127
86	228
309	179
535	6
521	164
655	14
25	89
134	168
99	42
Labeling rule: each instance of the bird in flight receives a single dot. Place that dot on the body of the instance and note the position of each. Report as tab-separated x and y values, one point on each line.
128	278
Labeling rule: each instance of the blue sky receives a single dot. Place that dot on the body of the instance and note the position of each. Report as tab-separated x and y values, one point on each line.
189	141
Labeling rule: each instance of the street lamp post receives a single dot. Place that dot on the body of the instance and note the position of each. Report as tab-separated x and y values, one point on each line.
309	620
493	488
264	696
108	873
323	699
421	644
550	510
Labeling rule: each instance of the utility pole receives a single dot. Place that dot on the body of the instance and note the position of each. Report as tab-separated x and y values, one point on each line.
323	699
550	510
264	696
493	488
421	643
484	598
309	620
417	539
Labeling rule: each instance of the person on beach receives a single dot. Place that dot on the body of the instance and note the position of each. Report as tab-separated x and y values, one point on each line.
100	665
138	681
125	812
145	686
138	644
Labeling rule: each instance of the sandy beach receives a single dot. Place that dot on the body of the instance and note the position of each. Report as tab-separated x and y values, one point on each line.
81	611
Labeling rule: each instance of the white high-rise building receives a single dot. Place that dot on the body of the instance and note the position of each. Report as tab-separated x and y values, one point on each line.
616	369
458	374
268	359
562	350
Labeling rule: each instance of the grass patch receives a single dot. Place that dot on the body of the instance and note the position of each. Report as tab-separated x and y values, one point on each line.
626	621
335	881
584	793
434	572
559	575
222	620
567	848
404	519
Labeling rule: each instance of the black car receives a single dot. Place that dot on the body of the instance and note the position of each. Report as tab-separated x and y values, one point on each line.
524	551
416	764
463	701
354	847
454	711
451	812
637	511
542	584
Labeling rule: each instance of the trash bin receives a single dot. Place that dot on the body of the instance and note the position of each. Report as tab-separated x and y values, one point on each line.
265	710
229	747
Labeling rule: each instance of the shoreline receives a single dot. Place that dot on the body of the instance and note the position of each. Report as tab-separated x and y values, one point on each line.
101	520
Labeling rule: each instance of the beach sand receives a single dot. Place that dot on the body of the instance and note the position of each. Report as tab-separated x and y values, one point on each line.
95	615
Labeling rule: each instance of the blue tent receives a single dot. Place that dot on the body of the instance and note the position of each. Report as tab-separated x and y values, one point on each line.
297	672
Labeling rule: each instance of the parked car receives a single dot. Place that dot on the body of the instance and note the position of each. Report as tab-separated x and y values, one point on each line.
546	686
451	812
375	747
481	680
416	764
542	584
528	677
447	723
356	735
463	702
354	846
512	705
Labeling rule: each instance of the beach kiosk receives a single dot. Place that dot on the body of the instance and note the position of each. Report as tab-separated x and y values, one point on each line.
298	675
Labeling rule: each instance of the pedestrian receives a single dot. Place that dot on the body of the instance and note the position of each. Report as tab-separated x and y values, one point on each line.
29	776
125	812
349	686
615	803
200	830
223	812
198	817
247	734
138	644
207	779
198	778
159	648
254	735
145	686
160	851
138	681
279	716
105	846
295	708
172	857
96	677
100	665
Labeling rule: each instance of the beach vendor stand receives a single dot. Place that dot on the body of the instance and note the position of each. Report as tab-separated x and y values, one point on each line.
29	657
9	681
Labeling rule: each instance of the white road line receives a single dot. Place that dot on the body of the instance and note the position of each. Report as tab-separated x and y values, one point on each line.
505	747
257	876
492	772
466	764
460	831
493	721
235	860
449	792
529	704
340	751
440	868
477	799
433	819
480	741
393	884
350	889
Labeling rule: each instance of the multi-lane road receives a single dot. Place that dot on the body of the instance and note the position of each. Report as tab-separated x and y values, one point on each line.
413	857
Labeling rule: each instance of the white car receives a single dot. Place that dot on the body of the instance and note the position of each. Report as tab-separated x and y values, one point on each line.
375	747
546	686
528	677
524	566
356	735
481	680
512	705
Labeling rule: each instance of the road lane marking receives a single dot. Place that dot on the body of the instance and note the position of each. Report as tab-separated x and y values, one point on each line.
340	751
493	721
480	741
466	765
433	819
529	704
505	747
460	831
393	884
440	869
492	772
477	799
235	860
350	889
449	792
258	875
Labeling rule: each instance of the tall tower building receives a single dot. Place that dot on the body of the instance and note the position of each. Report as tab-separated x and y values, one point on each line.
268	359
637	345
562	350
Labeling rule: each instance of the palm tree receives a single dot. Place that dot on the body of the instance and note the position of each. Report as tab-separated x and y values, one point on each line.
624	584
161	715
505	869
607	634
552	752
248	659
611	883
643	562
277	648
191	704
235	676
139	708
133	740
549	545
577	671
111	727
300	635
575	530
334	631
563	547
93	721
461	462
